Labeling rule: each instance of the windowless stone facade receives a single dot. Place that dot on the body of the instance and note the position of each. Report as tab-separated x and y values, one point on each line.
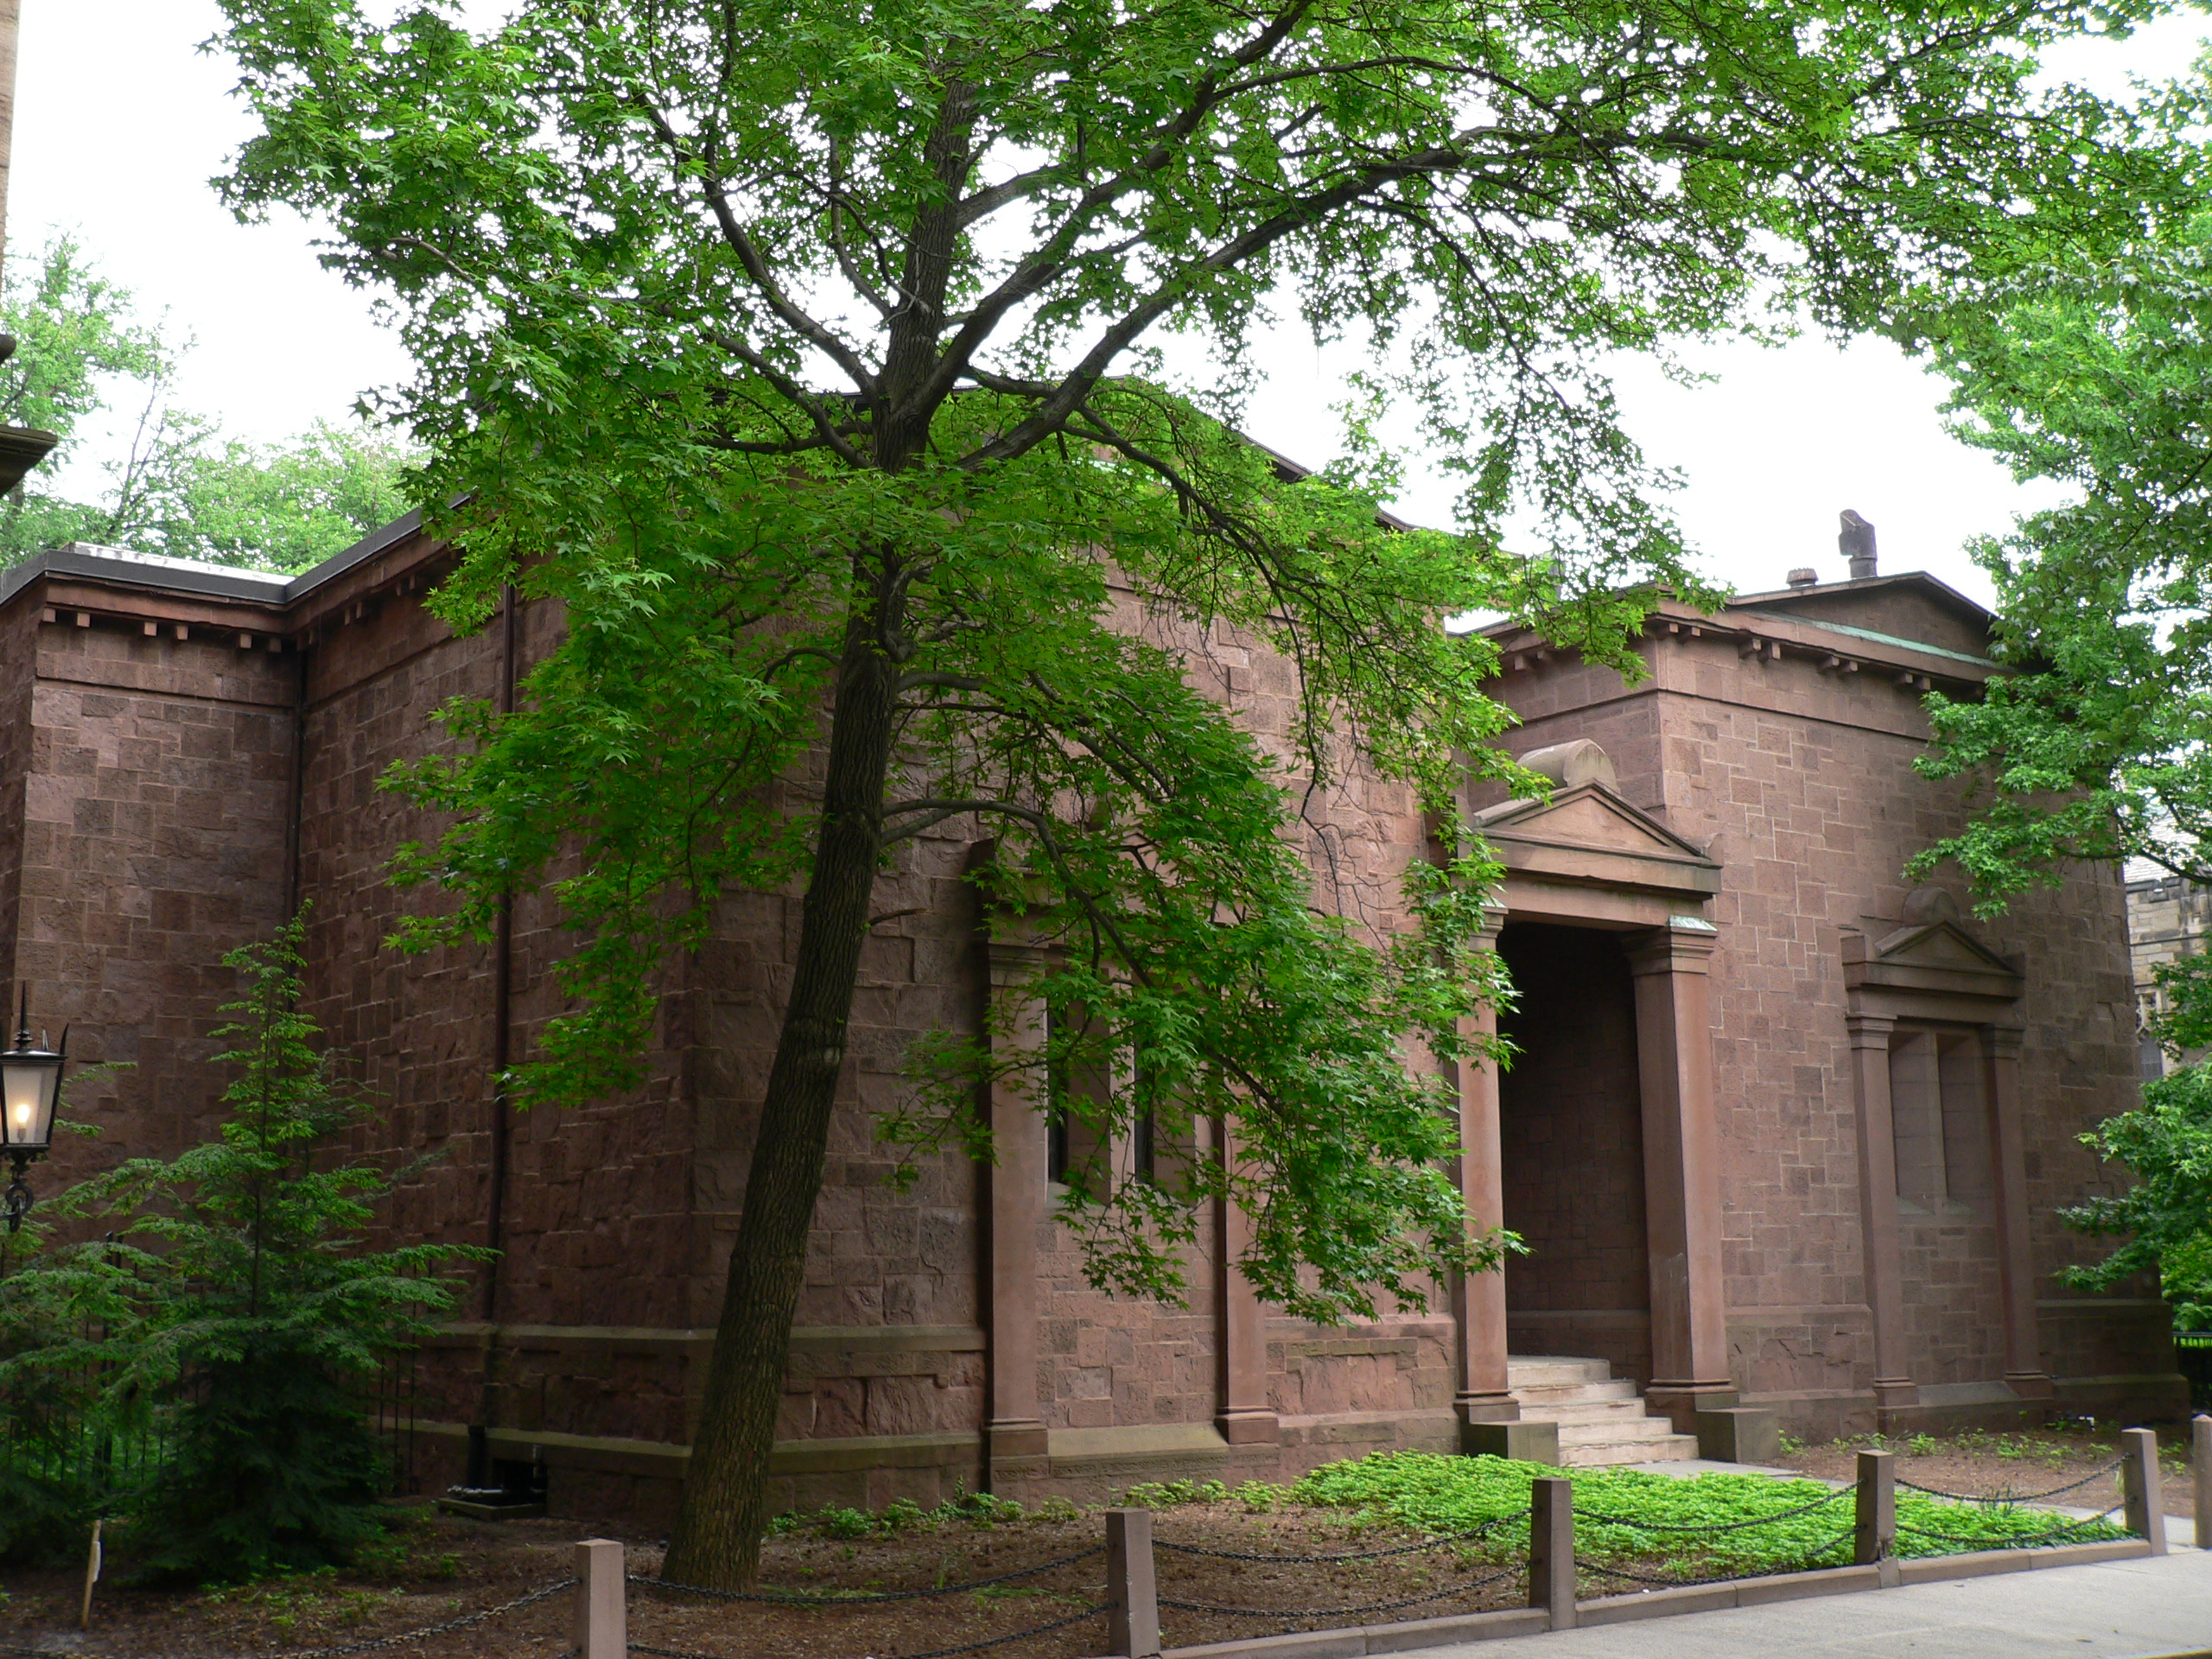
1784	1132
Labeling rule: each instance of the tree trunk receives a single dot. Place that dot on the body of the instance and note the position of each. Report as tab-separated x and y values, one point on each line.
718	1531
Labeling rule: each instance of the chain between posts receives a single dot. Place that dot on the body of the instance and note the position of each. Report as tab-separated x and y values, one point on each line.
373	1643
1425	1545
1999	1500
932	1653
1808	1564
2017	1541
1835	1496
1337	1612
863	1599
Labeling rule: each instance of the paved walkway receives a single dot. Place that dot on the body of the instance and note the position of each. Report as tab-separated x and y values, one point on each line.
2117	1610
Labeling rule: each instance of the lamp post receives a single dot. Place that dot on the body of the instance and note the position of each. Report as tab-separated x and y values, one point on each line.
30	1084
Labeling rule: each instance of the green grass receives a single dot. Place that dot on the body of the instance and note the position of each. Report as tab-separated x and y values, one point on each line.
1447	1494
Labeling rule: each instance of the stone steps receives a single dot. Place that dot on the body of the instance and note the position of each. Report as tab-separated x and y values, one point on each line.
1600	1420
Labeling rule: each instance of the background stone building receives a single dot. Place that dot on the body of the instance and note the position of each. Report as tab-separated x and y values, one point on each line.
1783	1133
2167	920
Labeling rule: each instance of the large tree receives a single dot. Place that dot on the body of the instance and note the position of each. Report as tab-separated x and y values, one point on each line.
807	354
2097	374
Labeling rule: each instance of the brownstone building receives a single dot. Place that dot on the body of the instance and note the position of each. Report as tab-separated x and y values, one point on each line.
1785	1134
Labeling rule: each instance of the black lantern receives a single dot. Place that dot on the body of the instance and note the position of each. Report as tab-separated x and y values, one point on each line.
30	1084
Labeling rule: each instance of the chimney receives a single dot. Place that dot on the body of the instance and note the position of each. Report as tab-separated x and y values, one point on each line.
1804	577
1857	544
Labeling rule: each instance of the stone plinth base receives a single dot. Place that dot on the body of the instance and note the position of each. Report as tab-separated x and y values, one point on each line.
1739	1434
1527	1442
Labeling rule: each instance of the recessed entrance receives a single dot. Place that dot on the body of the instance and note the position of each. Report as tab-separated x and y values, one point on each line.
1571	1145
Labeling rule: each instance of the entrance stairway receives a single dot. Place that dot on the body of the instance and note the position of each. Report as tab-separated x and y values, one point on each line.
1600	1420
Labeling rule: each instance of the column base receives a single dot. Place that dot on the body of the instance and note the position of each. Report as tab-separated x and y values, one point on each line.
1890	1392
1487	1409
1248	1426
1680	1402
2031	1385
1014	1438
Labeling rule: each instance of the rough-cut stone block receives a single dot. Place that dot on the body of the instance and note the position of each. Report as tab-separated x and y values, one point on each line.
1739	1434
1527	1442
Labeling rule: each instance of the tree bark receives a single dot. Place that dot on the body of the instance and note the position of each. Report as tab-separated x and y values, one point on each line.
717	1542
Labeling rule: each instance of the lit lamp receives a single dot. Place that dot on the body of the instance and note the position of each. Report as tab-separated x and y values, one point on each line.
30	1084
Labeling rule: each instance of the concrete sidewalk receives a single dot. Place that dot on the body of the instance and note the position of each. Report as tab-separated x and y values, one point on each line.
2115	1610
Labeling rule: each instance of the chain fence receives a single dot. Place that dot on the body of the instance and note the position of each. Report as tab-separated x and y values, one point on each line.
1383	1606
859	1598
1444	1540
2000	1500
988	1642
2018	1541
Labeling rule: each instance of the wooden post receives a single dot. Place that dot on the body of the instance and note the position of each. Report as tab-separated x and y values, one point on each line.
92	1577
2138	1482
1132	1617
602	1619
1551	1548
1874	1538
2200	1468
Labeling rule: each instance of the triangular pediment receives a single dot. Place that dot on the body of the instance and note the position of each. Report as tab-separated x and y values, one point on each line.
1590	816
1588	836
1940	945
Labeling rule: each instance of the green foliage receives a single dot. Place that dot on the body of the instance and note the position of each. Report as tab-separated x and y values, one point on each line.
179	488
806	356
1437	1494
979	1511
2097	374
2165	1222
1168	1495
230	1313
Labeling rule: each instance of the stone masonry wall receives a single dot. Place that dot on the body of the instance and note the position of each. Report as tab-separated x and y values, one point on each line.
155	786
1799	782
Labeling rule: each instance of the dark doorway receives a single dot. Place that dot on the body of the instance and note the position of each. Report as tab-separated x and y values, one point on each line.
1572	1140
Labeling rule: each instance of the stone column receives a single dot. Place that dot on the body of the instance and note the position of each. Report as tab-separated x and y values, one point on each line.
1482	1395
1681	1168
1244	1416
1877	1208
2024	1371
1015	1432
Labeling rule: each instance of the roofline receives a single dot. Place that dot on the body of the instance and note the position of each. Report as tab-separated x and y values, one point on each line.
376	542
1862	584
254	587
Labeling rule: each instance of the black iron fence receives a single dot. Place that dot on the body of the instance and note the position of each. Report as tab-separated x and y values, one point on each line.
2193	1351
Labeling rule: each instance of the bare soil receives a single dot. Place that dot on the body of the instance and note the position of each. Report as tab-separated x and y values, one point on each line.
2026	1465
438	1568
442	1568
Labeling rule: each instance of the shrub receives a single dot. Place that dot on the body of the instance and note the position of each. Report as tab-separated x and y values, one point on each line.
230	1313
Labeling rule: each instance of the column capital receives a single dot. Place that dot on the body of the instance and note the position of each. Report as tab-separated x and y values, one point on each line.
1493	919
1869	1030
2005	1041
1685	945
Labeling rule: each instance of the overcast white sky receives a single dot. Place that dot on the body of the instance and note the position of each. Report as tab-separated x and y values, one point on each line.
120	121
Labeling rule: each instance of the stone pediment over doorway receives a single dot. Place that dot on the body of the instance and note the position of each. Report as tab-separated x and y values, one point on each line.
1586	835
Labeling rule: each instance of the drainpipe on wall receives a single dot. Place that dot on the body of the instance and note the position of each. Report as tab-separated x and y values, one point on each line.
481	1477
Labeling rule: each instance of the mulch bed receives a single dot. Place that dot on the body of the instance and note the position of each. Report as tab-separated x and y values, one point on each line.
2011	1464
452	1567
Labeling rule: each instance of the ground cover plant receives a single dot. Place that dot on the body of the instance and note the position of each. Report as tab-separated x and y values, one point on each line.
1811	1527
432	1567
